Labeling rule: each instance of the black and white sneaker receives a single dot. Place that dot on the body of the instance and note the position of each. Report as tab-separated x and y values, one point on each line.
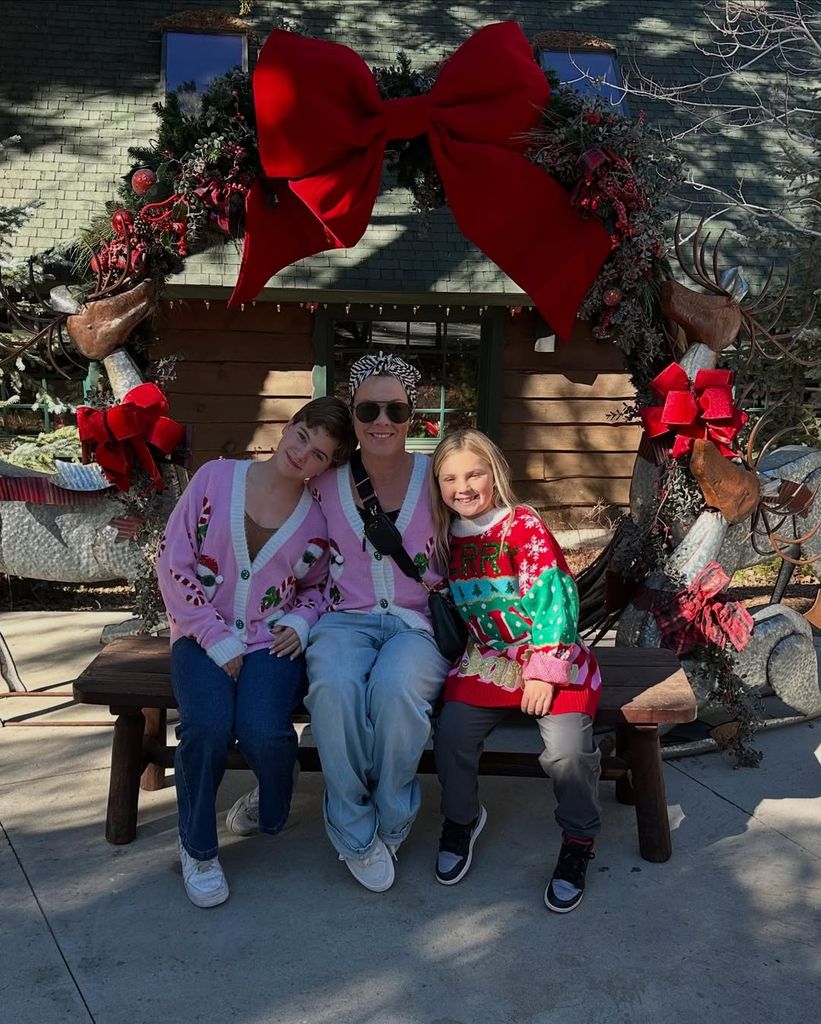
456	848
565	889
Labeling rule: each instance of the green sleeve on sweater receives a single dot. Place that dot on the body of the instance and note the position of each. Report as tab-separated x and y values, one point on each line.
553	605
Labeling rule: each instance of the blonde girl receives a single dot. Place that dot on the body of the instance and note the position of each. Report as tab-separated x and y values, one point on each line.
512	586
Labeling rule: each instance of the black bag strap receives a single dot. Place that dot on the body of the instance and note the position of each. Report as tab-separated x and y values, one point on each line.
370	503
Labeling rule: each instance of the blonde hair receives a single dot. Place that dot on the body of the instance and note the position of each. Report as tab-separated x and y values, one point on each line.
467	439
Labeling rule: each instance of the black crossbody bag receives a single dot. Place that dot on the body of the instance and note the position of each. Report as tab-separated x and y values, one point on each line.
449	628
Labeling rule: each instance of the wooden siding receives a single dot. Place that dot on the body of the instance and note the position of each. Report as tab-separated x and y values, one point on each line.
568	453
241	375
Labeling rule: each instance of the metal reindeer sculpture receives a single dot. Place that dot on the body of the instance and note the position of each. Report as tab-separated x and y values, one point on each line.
79	535
767	504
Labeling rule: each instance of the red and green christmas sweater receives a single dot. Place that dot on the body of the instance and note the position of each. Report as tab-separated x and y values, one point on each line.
512	586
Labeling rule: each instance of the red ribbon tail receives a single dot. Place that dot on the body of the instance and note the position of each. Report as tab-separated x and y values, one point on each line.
146	460
521	218
275	237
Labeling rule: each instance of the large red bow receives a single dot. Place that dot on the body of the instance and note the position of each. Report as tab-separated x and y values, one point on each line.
322	128
119	436
702	615
702	408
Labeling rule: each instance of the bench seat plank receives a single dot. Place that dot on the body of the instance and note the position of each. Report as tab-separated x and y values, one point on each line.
641	689
640	685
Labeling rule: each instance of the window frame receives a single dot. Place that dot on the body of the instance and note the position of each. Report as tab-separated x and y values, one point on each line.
573	53
491	339
196	32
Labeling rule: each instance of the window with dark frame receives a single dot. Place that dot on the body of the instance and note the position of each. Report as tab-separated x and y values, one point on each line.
191	60
593	72
448	356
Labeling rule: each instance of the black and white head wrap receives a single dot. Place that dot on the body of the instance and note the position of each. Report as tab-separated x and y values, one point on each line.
407	375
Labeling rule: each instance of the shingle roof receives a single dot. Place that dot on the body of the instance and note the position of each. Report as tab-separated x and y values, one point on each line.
78	79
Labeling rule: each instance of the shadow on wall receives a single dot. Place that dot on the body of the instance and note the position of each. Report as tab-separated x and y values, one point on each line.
65	76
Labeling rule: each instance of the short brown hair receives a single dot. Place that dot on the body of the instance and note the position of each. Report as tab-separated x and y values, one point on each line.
335	418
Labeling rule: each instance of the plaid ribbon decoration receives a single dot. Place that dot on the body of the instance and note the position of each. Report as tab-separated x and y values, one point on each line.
702	615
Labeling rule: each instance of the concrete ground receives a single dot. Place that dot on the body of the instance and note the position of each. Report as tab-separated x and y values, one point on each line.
728	930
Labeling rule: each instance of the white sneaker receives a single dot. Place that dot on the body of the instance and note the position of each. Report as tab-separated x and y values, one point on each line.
204	880
243	818
375	871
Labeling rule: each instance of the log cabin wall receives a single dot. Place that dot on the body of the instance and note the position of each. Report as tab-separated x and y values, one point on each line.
242	373
569	455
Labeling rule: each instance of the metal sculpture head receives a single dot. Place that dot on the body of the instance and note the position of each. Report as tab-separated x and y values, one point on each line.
758	317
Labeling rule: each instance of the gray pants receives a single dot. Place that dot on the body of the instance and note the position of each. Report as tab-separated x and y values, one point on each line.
570	758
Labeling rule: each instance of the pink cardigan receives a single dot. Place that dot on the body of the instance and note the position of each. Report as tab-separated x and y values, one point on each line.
362	580
213	592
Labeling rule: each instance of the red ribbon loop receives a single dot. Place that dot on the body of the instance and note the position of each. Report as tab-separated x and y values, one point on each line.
119	436
702	408
322	128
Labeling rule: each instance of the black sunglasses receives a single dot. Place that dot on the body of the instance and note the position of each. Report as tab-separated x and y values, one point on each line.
397	412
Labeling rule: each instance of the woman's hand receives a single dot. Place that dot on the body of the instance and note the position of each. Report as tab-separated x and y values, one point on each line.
287	643
233	667
537	698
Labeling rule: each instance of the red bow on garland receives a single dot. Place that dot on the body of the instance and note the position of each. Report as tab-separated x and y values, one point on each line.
117	437
701	615
322	128
701	408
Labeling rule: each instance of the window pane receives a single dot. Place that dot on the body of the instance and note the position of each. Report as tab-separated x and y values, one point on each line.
571	68
190	57
447	356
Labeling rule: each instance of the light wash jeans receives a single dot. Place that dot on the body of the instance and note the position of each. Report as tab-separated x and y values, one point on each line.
372	682
215	711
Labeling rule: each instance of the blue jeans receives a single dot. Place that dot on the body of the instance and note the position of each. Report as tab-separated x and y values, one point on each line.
372	681
254	711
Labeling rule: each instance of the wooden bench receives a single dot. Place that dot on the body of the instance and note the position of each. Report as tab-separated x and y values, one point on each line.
642	689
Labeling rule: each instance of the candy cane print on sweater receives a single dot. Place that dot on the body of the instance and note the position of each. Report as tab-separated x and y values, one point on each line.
207	529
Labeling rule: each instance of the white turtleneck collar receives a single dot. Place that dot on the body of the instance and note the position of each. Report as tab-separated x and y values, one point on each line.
473	527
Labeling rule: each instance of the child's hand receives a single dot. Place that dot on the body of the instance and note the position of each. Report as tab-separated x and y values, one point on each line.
287	643
233	667
537	698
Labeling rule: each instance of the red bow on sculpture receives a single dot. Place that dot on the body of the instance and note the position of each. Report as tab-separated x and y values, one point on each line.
701	408
322	128
119	436
701	615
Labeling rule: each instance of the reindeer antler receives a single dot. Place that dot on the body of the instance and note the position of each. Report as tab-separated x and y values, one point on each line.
45	326
760	315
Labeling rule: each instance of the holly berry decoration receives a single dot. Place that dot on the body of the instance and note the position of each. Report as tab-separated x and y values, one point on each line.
143	180
592	117
122	221
613	296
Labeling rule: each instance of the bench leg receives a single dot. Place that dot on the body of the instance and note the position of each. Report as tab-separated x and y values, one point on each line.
651	798
155	728
124	784
624	784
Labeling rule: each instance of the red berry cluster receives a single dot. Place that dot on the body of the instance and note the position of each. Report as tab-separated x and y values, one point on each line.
606	185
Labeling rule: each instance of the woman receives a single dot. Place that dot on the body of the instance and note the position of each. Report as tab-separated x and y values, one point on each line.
241	570
374	669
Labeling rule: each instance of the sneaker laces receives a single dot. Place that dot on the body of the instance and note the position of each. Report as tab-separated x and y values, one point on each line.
202	867
455	837
573	859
